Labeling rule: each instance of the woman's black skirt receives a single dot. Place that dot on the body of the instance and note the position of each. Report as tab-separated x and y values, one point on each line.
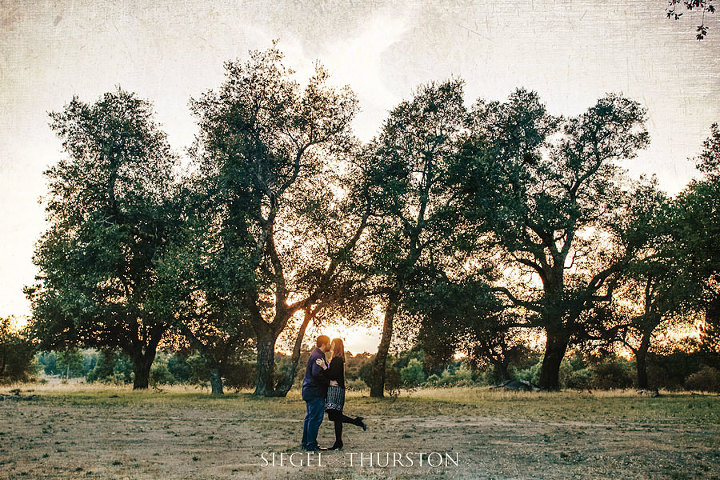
335	399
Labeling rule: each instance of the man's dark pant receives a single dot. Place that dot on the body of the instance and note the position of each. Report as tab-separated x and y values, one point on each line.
313	419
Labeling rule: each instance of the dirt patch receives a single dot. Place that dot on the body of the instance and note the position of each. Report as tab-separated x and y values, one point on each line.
236	438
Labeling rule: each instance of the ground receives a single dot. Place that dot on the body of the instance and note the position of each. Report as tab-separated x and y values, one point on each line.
88	431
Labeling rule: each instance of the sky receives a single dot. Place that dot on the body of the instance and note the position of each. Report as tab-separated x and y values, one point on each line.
570	51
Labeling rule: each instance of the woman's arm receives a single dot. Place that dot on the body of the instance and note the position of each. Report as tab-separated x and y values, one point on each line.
335	372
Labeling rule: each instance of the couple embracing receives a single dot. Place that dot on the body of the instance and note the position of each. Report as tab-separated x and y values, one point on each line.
323	389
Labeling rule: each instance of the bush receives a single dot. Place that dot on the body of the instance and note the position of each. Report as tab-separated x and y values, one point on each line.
580	379
365	373
707	379
393	381
355	384
671	369
576	372
241	374
111	367
179	368
413	374
530	374
47	362
17	354
432	380
460	377
160	375
70	363
612	372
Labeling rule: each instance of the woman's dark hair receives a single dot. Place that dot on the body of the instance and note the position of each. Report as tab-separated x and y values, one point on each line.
339	348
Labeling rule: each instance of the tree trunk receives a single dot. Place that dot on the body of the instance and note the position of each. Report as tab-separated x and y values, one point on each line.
264	380
377	389
287	382
141	367
143	355
555	348
216	381
641	361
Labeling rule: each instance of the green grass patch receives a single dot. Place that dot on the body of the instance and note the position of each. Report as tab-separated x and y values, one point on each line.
566	406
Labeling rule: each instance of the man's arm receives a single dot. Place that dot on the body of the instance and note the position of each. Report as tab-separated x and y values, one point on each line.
317	373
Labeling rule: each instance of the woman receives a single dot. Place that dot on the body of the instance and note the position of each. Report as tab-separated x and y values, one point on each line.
335	399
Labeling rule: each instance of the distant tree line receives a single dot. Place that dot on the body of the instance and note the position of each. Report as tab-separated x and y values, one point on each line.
470	229
681	366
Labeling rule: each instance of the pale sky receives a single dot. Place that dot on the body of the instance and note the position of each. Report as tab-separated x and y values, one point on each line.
571	52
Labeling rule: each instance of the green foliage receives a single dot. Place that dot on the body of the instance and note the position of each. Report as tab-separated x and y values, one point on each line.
17	353
669	369
458	377
545	193
179	368
580	379
270	158
612	373
70	363
365	373
355	364
530	374
240	374
412	375
160	375
109	211
48	362
113	367
579	372
706	379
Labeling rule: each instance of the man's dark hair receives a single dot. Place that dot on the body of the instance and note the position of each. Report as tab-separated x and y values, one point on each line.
322	340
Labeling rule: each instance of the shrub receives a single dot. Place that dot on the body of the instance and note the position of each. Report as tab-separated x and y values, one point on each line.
241	374
70	363
17	354
707	379
393	381
111	367
461	377
530	374
670	370
365	373
355	384
179	368
612	372
580	379
432	380
413	374
160	375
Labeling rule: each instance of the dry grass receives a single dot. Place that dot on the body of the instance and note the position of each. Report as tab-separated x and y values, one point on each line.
96	431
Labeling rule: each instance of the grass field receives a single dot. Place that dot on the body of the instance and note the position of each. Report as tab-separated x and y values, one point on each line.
90	431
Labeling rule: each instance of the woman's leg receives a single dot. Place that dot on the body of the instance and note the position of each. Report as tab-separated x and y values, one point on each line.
336	417
344	418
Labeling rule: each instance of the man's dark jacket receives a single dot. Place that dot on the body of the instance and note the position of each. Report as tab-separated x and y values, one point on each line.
315	384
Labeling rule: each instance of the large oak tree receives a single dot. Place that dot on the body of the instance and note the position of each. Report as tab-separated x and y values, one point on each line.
545	191
276	174
110	211
416	207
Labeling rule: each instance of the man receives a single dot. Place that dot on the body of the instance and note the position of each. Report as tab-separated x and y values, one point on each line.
314	390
